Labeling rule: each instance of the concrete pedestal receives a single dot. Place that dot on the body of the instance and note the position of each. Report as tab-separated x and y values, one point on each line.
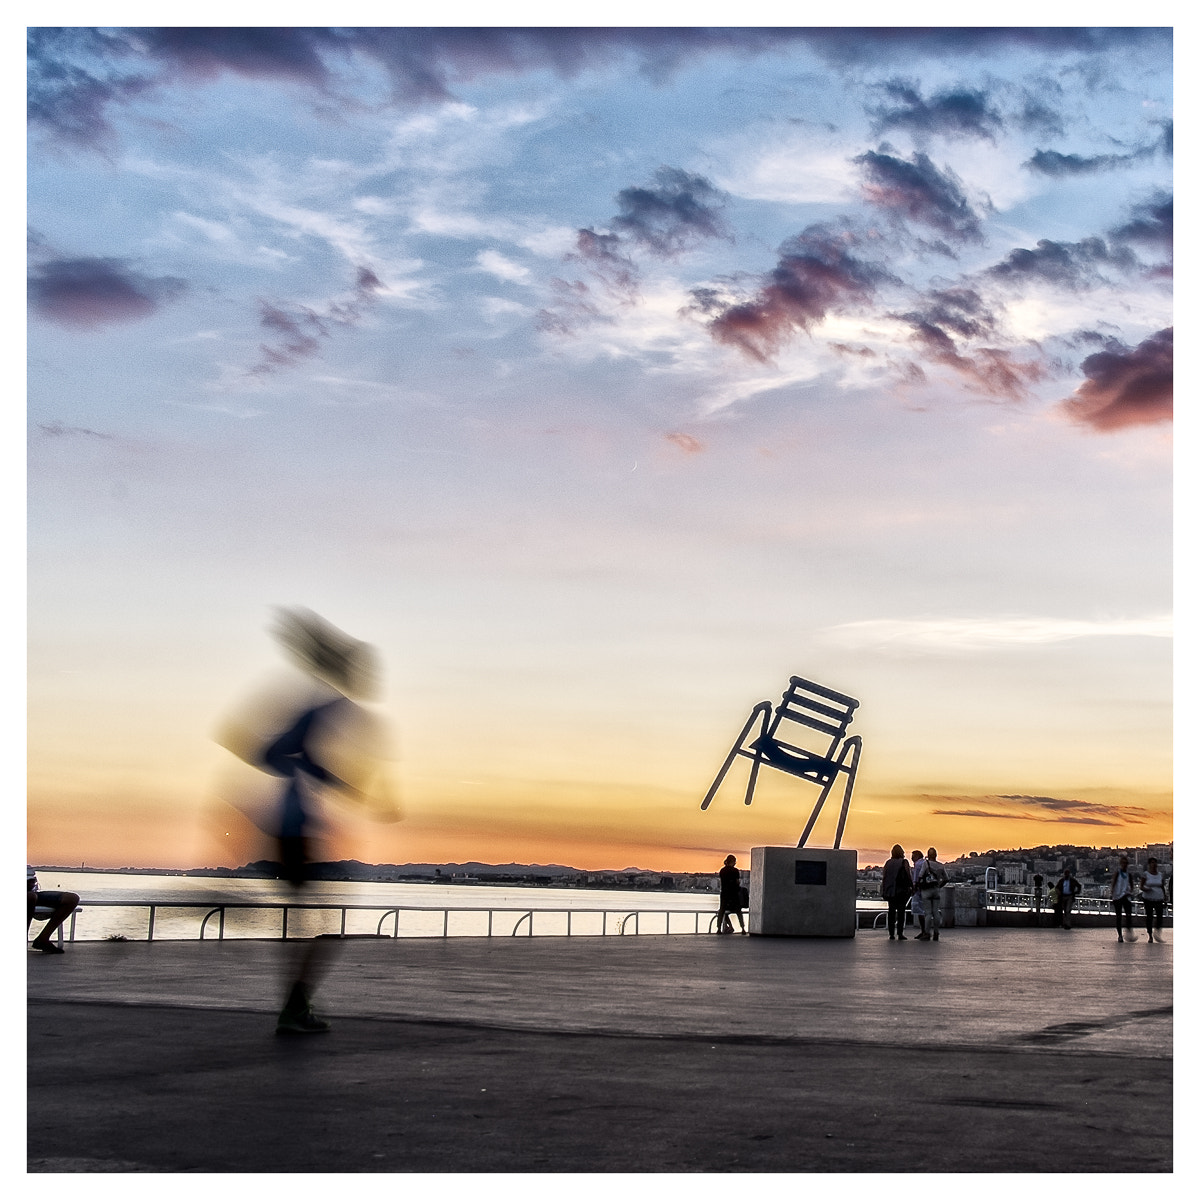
809	892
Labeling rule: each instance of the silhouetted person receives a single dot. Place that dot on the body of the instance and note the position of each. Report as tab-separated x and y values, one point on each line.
61	906
930	880
1068	888
731	896
1120	891
918	901
1037	897
1154	897
895	888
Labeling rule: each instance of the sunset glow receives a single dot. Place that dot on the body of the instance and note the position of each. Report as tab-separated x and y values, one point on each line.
603	379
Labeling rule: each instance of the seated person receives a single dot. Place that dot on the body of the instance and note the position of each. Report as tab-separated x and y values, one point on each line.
60	904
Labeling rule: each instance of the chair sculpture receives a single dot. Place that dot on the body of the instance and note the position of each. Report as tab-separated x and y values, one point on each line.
819	709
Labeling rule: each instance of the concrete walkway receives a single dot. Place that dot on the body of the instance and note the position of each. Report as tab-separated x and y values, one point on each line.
991	1050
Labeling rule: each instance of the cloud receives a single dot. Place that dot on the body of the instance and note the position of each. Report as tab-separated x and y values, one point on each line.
677	212
920	192
85	293
816	274
953	635
1045	809
1065	264
849	46
1051	162
962	313
299	329
1126	387
1151	223
77	76
601	253
686	443
573	307
1056	165
253	52
955	112
56	429
495	263
672	215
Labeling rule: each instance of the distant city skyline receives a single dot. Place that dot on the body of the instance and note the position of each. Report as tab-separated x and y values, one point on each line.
603	379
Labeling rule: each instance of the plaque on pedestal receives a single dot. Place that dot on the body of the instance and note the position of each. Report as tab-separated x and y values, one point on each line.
802	891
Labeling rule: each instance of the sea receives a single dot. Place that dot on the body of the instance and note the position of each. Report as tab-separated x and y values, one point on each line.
119	905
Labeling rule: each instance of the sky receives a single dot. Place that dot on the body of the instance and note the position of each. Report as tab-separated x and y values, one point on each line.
603	379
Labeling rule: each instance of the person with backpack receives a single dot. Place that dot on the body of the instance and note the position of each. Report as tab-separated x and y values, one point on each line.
918	903
895	888
930	880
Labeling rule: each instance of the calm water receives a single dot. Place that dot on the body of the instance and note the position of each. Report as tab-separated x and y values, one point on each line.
422	907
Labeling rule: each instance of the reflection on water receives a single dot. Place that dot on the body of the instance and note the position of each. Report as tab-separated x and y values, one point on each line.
688	911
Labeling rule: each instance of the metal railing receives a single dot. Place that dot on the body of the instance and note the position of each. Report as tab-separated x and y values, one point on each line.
213	924
525	922
1025	902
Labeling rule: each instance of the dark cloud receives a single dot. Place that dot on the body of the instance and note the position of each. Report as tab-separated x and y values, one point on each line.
601	254
256	53
1051	162
917	190
816	274
1065	264
77	75
1126	386
849	46
956	112
676	212
1003	816
84	293
298	330
1045	809
960	315
667	217
1152	224
56	429
1036	116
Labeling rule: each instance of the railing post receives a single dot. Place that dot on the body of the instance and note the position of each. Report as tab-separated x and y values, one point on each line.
283	935
489	922
150	928
445	922
343	929
221	925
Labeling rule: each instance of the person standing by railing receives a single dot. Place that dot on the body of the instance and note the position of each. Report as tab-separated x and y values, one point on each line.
930	879
1121	893
731	896
918	902
1068	889
1154	898
895	888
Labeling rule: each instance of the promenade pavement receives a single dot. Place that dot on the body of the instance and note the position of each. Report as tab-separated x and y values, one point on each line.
992	1050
